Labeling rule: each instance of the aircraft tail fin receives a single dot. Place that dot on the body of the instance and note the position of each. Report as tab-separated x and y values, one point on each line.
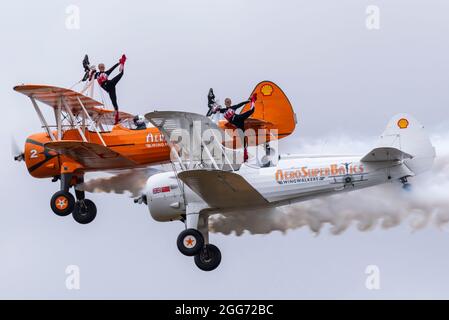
273	107
404	139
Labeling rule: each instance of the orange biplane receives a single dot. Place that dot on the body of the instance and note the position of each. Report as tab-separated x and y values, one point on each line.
84	139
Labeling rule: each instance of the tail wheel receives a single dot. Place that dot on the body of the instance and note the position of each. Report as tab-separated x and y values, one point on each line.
62	203
190	242
85	211
209	258
407	186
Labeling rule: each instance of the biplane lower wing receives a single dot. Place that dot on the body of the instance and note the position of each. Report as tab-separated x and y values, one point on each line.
222	189
90	155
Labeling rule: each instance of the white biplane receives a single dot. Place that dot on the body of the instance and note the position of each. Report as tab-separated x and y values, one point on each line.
199	186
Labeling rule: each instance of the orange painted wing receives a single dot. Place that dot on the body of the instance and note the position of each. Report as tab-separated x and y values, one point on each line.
91	155
51	96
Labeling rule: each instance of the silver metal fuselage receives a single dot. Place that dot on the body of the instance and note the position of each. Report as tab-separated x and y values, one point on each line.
292	179
302	178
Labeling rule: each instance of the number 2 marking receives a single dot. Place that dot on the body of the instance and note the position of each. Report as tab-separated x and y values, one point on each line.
33	153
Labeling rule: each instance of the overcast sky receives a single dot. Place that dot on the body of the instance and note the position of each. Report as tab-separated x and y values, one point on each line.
342	79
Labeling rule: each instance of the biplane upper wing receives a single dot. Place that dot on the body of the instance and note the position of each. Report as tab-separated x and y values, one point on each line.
171	123
222	189
192	135
50	95
56	96
90	155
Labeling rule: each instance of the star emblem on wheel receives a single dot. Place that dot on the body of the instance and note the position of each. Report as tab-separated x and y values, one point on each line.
190	242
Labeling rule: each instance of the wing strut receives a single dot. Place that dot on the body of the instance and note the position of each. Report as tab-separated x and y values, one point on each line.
58	119
43	121
196	152
72	117
88	117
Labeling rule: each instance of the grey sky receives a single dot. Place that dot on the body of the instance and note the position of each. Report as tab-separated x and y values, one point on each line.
342	79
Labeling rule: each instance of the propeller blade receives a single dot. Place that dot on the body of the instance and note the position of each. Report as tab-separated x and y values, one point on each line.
16	151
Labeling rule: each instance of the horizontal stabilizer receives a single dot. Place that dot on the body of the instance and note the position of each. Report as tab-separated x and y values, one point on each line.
385	154
404	139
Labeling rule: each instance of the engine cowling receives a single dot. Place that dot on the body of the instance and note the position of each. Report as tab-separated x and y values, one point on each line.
165	199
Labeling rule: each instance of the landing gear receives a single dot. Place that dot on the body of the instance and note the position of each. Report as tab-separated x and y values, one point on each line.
62	203
190	242
405	184
209	258
194	241
85	211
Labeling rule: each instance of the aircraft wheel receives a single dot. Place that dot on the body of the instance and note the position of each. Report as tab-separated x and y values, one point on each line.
407	187
85	211
62	203
209	258
190	242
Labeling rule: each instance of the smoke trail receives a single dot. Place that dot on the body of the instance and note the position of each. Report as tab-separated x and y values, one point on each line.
132	181
383	206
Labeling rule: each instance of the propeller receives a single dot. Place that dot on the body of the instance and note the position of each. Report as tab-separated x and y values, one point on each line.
16	152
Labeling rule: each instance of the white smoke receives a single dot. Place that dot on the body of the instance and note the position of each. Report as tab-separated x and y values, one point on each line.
383	206
130	181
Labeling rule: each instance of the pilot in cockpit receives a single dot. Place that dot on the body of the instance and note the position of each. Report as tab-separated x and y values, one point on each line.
139	122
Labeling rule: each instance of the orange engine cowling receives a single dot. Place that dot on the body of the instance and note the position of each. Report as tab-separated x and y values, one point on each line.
40	161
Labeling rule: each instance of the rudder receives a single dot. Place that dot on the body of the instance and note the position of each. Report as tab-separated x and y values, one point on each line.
273	106
405	133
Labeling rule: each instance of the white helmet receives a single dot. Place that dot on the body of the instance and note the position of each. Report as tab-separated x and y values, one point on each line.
139	119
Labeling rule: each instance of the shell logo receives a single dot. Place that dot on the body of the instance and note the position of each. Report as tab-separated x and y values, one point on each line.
403	123
266	90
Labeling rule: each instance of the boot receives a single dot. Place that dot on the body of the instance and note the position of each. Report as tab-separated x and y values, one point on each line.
122	59
122	63
116	118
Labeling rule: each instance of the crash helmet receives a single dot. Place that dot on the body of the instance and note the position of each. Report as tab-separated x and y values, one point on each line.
139	120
